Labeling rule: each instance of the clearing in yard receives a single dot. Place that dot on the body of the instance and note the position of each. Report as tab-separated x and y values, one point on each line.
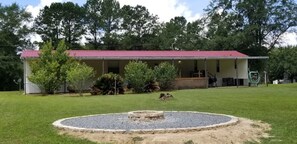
28	119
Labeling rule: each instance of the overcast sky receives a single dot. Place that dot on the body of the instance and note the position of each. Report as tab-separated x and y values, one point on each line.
165	9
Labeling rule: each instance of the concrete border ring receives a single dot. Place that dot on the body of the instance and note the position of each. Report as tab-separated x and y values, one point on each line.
233	120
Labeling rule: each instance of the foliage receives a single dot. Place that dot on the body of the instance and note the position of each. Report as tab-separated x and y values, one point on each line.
13	32
194	38
10	71
110	16
61	21
139	27
110	83
250	26
138	75
62	57
178	34
283	60
94	22
48	23
13	39
46	78
78	74
165	74
151	86
103	24
49	71
173	33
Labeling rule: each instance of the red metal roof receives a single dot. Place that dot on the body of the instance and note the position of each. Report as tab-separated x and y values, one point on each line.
121	54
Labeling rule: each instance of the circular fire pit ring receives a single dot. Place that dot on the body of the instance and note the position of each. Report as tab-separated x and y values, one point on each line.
146	121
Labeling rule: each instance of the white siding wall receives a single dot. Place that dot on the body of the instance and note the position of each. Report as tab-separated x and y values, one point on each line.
29	86
227	69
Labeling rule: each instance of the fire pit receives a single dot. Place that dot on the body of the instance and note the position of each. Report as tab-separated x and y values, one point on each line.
146	121
146	115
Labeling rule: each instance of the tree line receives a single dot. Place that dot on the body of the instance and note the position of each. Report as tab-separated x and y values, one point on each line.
253	27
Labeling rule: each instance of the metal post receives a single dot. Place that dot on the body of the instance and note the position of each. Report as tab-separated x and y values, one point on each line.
179	66
266	73
115	85
206	73
236	72
265	78
103	67
25	75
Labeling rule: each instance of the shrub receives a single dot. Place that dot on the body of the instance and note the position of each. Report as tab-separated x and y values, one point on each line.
138	75
165	74
106	84
46	78
78	75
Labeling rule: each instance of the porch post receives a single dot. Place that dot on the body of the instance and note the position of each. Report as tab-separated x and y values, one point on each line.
25	76
179	68
236	67
103	66
265	77
206	73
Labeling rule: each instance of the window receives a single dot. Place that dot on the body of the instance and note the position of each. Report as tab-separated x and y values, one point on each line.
235	64
114	70
113	67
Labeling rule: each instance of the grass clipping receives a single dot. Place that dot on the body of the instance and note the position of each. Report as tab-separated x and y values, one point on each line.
245	130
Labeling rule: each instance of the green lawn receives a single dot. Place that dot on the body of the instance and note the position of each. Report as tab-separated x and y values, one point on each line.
27	119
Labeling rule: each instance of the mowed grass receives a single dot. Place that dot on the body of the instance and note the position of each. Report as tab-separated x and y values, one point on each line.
27	119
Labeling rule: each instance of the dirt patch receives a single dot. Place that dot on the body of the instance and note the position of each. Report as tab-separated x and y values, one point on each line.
245	130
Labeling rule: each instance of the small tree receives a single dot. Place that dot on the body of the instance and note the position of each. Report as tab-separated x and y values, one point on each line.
78	75
49	70
46	77
165	74
138	75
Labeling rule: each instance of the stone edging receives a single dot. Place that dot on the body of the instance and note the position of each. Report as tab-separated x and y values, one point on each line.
234	120
145	115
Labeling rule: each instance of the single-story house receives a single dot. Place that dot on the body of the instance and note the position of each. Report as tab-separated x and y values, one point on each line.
196	69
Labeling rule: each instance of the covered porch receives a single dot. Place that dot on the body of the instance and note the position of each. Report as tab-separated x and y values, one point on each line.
191	73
